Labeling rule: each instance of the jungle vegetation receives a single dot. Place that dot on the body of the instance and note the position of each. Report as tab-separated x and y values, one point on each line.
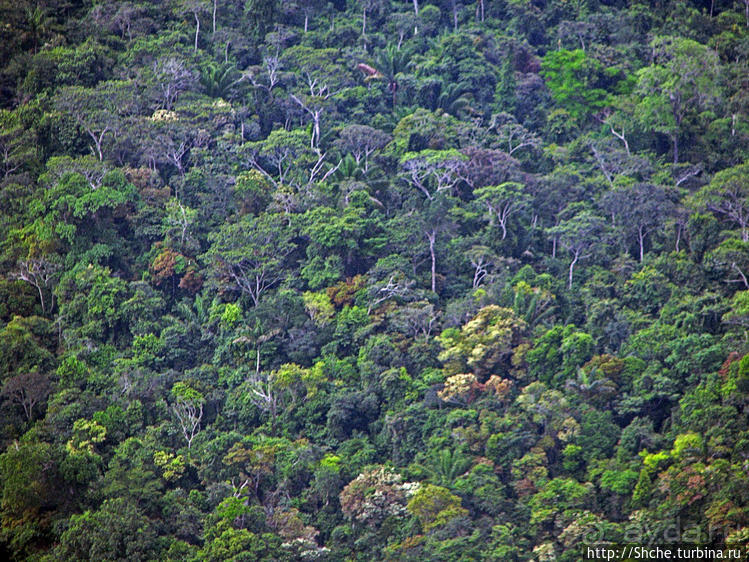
372	279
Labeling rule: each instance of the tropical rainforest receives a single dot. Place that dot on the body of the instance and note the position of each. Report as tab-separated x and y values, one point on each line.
372	279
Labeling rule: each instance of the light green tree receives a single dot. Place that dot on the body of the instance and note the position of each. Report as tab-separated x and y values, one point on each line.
682	80
187	406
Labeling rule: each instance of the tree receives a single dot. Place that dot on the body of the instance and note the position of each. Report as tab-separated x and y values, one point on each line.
361	141
503	201
485	344
389	63
38	24
435	506
307	7
376	494
118	530
728	195
512	135
558	354
16	144
505	93
286	158
96	110
733	255
482	258
431	221
249	254
574	80
434	171
445	466
560	500
485	167
262	15
178	221
188	407
172	77
41	274
388	280
30	485
640	209
223	81
578	235
417	319
197	8
28	390
403	24
25	345
682	79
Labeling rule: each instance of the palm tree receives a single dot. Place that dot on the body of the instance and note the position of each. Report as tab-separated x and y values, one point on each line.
38	24
390	62
593	385
350	176
223	81
445	465
452	98
534	305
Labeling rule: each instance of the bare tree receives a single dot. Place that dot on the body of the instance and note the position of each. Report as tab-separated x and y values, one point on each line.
396	286
173	78
481	258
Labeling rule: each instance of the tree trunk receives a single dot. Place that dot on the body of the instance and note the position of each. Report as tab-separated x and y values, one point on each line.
572	266
675	142
432	236
41	298
98	142
215	6
741	274
197	32
316	129
641	240
480	10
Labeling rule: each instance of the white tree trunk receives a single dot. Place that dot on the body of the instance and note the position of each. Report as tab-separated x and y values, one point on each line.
197	32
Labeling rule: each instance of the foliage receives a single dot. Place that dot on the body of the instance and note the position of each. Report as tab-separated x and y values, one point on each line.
371	280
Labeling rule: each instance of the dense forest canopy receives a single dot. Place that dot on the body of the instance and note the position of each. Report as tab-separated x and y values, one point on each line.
372	279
